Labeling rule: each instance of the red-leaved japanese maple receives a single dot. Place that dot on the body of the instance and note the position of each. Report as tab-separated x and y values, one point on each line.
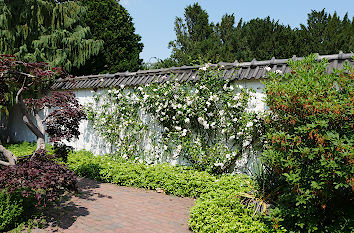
27	85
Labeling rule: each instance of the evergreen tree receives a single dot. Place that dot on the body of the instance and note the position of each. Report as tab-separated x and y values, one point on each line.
196	40
200	41
326	33
110	22
46	30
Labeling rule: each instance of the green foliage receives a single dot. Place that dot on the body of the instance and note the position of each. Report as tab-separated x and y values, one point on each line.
221	211
217	210
110	22
310	145
200	41
13	208
21	149
24	148
179	181
326	33
43	30
205	122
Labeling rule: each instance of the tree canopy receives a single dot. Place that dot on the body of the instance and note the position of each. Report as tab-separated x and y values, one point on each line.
46	30
19	82
110	22
201	41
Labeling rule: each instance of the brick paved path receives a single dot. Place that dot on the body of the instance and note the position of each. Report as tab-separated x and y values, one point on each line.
102	207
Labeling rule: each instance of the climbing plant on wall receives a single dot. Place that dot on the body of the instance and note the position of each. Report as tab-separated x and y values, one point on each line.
206	121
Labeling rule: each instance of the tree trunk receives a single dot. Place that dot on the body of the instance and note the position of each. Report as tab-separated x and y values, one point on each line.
41	137
38	129
11	158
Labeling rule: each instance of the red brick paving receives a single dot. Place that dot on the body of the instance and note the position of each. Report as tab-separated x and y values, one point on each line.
102	207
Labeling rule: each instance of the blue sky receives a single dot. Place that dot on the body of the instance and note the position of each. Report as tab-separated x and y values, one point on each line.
154	19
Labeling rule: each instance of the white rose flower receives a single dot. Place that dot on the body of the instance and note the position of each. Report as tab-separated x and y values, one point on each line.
140	88
206	125
184	133
210	114
208	103
278	72
213	125
187	120
267	68
232	137
218	164
178	128
249	124
122	86
227	156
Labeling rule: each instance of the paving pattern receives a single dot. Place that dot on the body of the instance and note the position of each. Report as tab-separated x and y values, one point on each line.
102	207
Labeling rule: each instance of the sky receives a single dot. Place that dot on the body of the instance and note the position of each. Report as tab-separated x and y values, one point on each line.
154	19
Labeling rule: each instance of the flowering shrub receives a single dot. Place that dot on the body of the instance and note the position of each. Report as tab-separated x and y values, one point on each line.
310	145
205	121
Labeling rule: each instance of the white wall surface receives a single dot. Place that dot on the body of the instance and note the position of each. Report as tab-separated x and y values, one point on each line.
90	140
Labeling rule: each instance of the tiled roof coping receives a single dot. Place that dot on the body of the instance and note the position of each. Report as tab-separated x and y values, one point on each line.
244	70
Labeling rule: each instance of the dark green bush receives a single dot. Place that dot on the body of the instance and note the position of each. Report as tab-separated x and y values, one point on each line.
310	146
217	210
13	210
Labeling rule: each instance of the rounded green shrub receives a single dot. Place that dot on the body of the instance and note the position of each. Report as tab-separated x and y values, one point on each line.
222	211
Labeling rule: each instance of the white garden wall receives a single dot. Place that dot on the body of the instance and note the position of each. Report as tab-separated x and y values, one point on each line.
90	140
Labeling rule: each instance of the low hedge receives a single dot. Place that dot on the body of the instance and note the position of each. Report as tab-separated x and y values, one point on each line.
217	209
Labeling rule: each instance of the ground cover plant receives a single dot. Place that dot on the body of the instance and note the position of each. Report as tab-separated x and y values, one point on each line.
218	208
310	133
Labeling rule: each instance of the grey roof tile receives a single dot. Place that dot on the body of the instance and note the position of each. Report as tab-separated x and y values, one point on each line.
245	70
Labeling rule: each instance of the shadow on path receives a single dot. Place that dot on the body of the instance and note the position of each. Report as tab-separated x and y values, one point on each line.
65	212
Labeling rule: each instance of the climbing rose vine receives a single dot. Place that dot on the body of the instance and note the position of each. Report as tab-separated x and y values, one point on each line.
205	122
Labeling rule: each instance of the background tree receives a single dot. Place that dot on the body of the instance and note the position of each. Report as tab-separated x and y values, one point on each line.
196	39
199	41
46	30
110	22
326	33
20	81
